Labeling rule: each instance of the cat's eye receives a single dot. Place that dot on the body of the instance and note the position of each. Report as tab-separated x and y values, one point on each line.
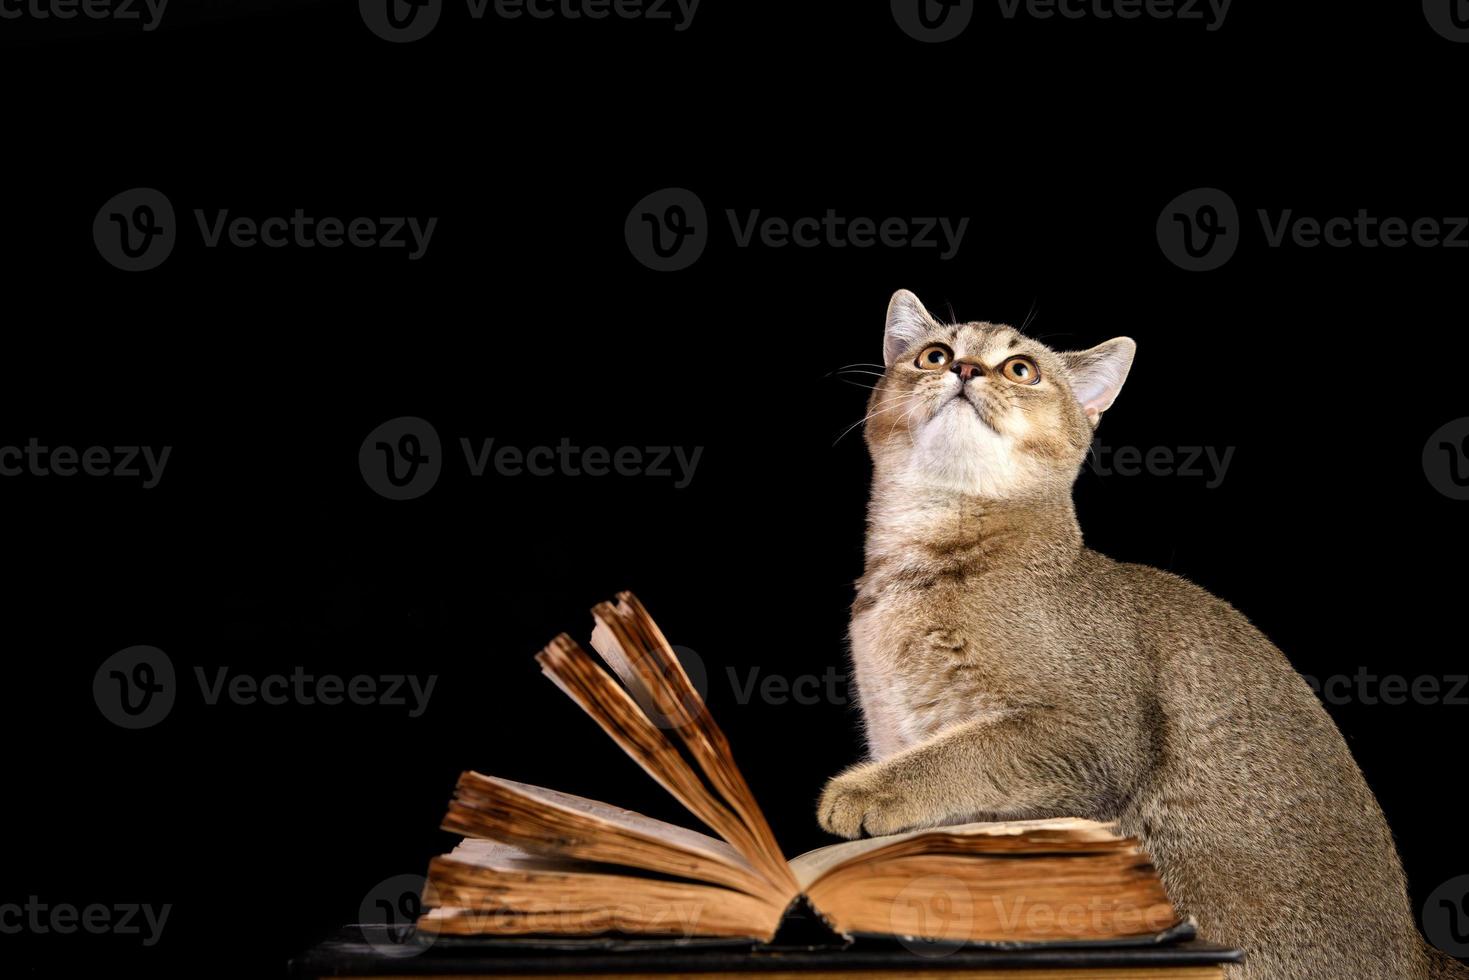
1021	370
934	357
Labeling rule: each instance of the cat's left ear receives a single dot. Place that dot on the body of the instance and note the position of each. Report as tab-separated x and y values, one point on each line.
1097	374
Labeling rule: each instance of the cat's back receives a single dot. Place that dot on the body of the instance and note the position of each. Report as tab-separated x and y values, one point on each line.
1252	776
1175	619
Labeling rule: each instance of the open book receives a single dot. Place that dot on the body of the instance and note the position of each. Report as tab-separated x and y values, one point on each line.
538	862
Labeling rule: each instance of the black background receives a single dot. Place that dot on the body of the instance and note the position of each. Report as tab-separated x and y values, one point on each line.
529	320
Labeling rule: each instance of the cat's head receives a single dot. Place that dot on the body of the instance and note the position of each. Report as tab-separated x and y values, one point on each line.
982	409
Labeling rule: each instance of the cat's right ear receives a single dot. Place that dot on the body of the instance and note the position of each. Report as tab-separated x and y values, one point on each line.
1097	374
908	323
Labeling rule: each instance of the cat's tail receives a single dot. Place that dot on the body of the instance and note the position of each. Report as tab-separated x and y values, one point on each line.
1442	966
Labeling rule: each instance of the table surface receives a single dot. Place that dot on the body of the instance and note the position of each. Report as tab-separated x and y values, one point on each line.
349	953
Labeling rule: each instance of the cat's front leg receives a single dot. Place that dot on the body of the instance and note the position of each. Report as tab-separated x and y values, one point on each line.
869	800
1031	763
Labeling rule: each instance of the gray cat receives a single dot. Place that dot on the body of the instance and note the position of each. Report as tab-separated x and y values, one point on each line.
1004	671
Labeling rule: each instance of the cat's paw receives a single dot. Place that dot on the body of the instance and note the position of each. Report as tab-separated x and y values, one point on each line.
864	800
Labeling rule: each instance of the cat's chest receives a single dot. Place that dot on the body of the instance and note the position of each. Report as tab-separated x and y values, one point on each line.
924	664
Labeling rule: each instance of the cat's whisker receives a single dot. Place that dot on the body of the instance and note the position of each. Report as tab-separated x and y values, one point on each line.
914	402
867	418
919	403
1030	317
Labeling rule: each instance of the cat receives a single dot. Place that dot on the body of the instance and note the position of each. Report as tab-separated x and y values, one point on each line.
1006	671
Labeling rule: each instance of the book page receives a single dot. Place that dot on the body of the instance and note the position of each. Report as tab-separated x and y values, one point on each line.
544	821
489	888
626	723
638	653
1026	881
812	865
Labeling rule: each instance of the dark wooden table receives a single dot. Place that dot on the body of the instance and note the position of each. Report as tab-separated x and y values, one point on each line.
350	953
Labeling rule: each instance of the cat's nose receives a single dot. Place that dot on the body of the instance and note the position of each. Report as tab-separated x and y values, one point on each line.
965	370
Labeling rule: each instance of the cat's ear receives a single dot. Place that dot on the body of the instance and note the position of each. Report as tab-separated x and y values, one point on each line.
1097	374
908	322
